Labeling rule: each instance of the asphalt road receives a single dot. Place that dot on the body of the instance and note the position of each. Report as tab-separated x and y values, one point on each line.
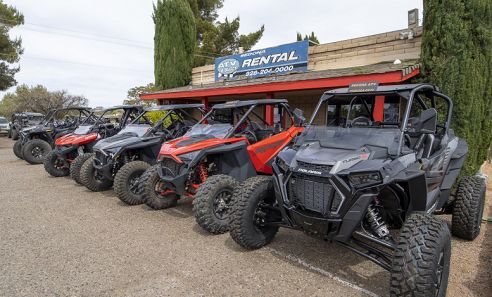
59	239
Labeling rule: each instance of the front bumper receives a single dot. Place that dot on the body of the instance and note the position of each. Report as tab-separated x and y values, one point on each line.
63	151
177	184
174	176
337	223
104	164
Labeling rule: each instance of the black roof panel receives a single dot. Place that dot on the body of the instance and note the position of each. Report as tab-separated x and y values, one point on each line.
380	89
174	106
242	103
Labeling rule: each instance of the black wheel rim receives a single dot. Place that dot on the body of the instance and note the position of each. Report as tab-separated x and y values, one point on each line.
59	163
133	183
260	215
98	175
221	204
37	152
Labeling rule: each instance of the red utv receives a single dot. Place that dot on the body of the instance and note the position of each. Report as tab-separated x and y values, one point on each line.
72	150
230	144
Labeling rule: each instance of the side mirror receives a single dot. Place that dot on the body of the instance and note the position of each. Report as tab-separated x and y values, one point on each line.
299	118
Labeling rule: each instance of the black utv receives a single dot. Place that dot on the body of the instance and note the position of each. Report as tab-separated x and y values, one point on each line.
73	149
371	170
37	141
121	159
22	120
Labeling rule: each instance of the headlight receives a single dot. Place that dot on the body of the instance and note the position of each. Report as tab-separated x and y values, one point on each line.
365	179
282	165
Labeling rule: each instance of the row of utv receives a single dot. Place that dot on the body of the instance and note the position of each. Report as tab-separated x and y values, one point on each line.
370	171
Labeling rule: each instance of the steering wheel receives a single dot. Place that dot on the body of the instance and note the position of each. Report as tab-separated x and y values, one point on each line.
362	120
167	133
250	136
408	141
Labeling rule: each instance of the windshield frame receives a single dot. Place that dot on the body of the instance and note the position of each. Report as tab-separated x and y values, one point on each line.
409	95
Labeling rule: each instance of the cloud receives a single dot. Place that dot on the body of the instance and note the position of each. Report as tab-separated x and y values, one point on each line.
103	48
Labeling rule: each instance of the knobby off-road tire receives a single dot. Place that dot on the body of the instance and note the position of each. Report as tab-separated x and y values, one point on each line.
212	203
18	149
15	134
127	182
77	165
35	150
468	207
420	265
88	177
50	165
245	210
150	182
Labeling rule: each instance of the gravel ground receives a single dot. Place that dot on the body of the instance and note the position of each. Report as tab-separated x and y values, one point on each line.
59	239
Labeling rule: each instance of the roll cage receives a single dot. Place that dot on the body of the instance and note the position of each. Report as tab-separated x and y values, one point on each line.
50	117
242	110
409	93
173	112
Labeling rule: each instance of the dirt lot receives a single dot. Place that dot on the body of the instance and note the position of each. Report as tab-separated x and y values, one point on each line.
59	239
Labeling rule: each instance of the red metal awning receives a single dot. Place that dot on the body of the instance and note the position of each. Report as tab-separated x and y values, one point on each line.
393	76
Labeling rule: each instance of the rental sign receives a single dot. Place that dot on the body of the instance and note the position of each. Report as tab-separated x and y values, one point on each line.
282	59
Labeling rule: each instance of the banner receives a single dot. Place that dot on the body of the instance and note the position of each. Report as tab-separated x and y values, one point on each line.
282	59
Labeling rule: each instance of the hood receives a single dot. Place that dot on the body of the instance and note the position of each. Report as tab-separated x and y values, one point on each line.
129	135
193	143
117	141
36	128
313	158
74	139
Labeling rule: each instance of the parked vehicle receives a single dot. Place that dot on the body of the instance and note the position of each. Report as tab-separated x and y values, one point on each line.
37	141
75	148
230	144
4	126
370	161
22	120
121	159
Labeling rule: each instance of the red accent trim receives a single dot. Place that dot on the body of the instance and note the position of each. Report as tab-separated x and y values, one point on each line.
205	102
323	83
378	113
269	114
263	151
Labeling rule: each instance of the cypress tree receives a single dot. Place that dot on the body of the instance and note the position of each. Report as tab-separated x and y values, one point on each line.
174	43
456	56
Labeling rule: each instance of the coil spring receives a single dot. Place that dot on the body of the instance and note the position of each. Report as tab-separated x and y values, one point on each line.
376	221
202	172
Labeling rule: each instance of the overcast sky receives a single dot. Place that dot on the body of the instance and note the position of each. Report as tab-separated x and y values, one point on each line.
101	48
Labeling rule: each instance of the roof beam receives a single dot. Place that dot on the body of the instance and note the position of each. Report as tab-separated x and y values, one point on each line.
322	83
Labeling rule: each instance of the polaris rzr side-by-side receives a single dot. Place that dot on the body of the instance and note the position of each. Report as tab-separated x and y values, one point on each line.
37	141
99	125
22	120
370	172
121	159
231	143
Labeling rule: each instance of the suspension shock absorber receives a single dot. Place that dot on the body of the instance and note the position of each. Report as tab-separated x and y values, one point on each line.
202	172
378	225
